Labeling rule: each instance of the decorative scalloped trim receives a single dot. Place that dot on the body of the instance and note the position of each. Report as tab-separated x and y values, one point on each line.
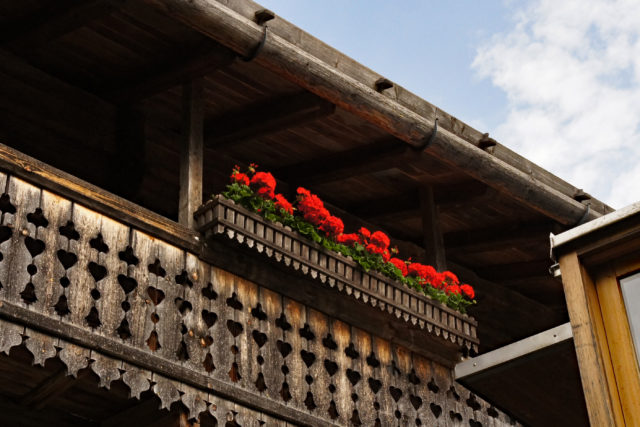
227	229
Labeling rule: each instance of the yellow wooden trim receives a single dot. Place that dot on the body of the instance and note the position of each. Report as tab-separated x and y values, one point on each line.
618	336
596	373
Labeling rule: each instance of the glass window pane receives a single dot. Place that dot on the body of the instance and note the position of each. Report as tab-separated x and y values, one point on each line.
631	294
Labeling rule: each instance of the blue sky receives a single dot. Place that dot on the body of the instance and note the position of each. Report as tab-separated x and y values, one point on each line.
425	46
558	82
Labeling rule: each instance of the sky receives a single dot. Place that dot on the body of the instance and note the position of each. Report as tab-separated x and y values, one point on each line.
556	81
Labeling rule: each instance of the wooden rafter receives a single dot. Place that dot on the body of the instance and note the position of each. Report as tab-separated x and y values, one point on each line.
138	414
48	390
170	72
50	24
496	238
265	118
408	203
380	155
516	271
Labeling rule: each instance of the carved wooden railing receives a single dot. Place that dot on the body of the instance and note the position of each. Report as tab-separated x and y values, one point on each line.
222	218
98	293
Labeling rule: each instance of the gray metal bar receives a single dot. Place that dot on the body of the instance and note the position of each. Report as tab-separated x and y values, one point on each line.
514	351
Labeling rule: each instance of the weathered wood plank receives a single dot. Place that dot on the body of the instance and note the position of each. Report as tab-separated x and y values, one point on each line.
198	339
596	371
169	327
248	341
83	311
223	358
342	396
50	270
271	304
422	370
26	199
136	257
111	298
296	316
319	324
191	153
384	374
366	397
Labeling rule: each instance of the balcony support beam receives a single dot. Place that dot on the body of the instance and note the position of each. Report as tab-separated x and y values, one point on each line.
432	233
192	152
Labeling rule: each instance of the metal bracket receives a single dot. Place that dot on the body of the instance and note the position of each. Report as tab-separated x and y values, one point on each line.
428	141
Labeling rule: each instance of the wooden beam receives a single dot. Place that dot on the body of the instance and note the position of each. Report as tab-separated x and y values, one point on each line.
380	155
265	118
431	231
594	360
48	25
497	238
48	390
411	124
516	270
189	63
407	204
191	153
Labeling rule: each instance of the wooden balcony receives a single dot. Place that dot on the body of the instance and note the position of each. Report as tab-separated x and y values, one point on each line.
103	285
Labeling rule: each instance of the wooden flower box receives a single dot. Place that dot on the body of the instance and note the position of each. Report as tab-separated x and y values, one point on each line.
222	219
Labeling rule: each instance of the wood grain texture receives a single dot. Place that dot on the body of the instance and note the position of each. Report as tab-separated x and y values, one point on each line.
618	335
598	380
191	153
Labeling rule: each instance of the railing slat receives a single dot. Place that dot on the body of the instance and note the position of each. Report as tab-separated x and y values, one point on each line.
26	199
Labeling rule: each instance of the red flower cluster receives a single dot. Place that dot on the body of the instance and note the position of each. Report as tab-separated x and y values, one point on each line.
314	212
264	185
348	239
401	265
468	291
282	203
239	177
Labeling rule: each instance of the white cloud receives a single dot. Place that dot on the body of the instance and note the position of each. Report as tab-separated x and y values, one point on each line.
571	72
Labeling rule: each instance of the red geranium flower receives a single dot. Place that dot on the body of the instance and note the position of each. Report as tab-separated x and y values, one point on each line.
373	249
282	203
380	239
450	278
468	291
240	178
365	233
453	289
264	184
348	239
332	226
303	192
402	266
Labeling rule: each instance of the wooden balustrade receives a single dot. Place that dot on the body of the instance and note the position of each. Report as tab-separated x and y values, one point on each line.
95	291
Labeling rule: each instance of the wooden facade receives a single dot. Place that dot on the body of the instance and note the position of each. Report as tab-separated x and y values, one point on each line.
593	258
118	119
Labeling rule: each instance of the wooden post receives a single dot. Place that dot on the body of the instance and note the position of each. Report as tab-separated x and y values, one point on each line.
433	241
596	371
191	152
